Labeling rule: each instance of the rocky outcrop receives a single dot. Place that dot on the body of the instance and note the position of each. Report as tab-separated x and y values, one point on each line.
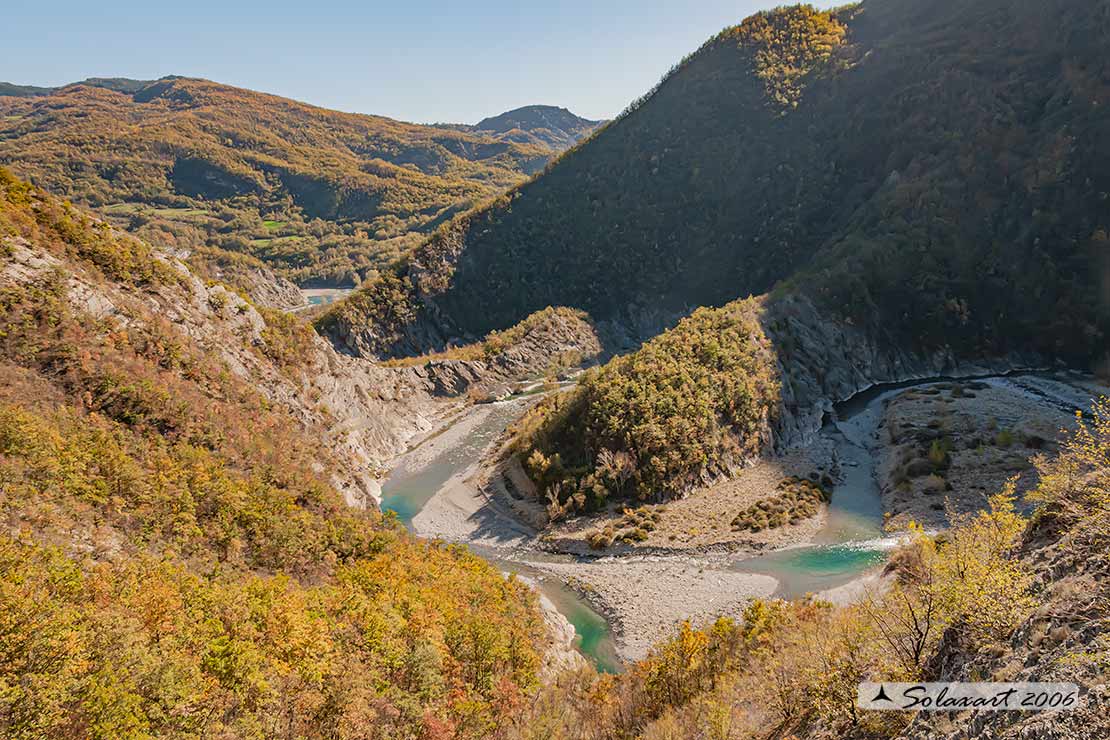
364	413
267	289
386	319
823	361
546	344
259	283
559	654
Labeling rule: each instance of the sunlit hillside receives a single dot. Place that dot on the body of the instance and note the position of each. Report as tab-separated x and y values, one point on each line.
317	195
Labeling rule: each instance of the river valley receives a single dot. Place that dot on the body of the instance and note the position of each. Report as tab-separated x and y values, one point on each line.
621	603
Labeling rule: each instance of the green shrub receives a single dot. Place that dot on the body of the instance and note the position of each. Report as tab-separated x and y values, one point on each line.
599	539
938	453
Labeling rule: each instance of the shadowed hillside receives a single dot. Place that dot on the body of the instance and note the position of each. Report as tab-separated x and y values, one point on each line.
934	171
913	199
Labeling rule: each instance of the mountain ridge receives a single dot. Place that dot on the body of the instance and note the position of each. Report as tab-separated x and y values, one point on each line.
744	171
118	84
233	174
532	116
554	126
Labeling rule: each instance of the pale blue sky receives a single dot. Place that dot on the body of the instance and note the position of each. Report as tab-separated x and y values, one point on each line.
416	60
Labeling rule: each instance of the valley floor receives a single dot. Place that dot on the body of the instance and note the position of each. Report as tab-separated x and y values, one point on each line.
642	596
692	565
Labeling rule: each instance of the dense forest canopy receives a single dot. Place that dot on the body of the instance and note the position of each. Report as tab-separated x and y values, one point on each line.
935	171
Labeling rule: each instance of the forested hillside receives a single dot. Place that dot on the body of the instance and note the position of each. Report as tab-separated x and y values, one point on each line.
175	560
317	195
936	171
694	402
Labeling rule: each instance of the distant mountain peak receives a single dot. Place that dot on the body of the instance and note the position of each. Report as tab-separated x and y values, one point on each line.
530	117
550	125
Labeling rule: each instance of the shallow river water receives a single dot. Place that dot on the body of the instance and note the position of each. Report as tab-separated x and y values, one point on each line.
850	543
852	540
406	492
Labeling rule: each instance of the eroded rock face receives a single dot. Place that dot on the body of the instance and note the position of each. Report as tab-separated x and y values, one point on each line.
367	338
366	414
267	289
451	378
823	362
544	345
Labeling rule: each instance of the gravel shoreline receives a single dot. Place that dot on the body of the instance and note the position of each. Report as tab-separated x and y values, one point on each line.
643	597
644	600
643	594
